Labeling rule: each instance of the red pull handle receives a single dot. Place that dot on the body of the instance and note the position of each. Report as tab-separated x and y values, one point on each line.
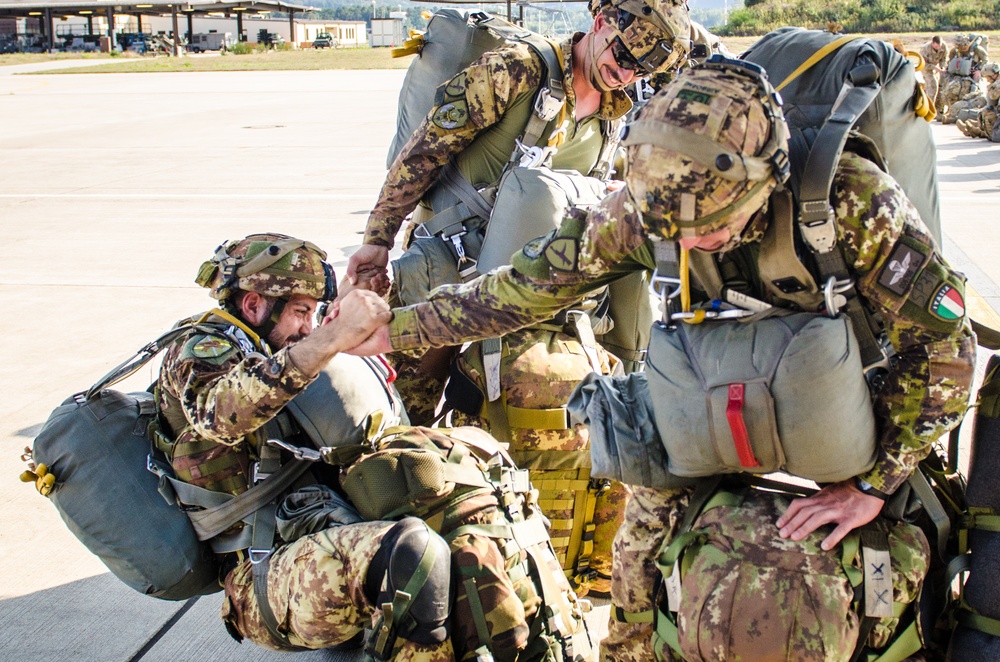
738	428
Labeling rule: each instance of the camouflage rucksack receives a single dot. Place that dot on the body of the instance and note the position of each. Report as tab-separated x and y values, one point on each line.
733	589
511	601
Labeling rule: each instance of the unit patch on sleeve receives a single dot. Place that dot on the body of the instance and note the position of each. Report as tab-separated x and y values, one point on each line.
948	304
534	248
452	115
561	252
901	268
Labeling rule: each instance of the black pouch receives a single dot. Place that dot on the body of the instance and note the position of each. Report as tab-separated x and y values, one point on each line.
462	394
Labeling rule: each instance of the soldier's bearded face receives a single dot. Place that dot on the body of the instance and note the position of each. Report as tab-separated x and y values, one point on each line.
295	323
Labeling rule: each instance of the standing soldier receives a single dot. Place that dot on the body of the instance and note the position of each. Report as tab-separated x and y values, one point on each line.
703	160
629	39
935	57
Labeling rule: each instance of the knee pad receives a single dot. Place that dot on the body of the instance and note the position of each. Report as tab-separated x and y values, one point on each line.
415	564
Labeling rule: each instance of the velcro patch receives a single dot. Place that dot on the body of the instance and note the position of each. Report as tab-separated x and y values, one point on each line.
452	115
948	304
211	347
534	248
901	269
694	95
561	252
456	87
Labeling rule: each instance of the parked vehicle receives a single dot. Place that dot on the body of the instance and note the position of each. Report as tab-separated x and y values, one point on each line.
324	40
210	41
269	39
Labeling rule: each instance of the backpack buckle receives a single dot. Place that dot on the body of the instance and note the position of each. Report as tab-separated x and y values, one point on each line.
257	556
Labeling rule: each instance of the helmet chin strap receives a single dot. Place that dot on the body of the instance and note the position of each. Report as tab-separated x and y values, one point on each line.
595	73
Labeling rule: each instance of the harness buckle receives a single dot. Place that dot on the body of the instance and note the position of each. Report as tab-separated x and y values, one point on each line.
833	295
258	555
256	475
298	452
546	105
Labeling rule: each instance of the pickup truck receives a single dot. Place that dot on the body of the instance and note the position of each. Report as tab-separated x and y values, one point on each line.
323	40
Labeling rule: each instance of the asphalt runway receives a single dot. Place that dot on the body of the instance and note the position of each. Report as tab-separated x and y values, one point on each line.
113	189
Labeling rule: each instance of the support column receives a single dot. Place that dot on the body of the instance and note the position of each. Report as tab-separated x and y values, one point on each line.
239	27
138	22
111	27
190	17
90	25
177	32
291	28
49	31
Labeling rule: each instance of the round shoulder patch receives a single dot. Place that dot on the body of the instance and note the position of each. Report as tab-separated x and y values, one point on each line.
451	115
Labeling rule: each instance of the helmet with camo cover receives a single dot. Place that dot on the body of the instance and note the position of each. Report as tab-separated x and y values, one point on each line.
707	150
991	69
962	42
656	33
274	265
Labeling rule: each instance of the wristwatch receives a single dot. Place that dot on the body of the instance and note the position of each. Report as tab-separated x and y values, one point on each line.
866	488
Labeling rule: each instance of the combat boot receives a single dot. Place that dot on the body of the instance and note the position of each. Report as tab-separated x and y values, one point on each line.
410	580
964	127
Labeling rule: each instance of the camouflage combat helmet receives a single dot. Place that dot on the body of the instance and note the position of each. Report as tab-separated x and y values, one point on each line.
991	69
655	33
962	42
707	150
274	265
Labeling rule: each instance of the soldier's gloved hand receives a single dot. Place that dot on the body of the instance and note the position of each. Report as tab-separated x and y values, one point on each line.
841	503
367	262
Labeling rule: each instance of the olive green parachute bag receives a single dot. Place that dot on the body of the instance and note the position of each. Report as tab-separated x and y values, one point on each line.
733	589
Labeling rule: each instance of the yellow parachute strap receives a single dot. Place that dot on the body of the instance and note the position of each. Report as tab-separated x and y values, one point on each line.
240	324
816	57
685	273
922	104
411	46
558	136
622	616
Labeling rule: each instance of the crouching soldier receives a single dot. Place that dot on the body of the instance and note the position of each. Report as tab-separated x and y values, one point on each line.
241	406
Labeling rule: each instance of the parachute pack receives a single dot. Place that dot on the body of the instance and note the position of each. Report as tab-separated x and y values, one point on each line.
512	600
96	452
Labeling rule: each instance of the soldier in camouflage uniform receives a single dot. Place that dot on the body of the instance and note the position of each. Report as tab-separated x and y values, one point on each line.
471	127
980	124
935	57
706	203
955	86
215	392
629	39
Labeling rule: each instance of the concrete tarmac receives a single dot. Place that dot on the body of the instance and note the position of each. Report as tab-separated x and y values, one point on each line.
113	189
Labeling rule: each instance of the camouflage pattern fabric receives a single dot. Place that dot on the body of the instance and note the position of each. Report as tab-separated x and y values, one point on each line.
213	396
485	562
489	87
539	369
316	588
651	517
927	393
972	100
746	593
982	125
933	57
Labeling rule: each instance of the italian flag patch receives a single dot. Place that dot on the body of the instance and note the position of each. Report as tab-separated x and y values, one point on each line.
948	304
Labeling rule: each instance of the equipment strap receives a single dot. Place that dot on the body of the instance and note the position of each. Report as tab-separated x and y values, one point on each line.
454	181
814	58
903	646
922	488
227	509
738	428
986	336
967	617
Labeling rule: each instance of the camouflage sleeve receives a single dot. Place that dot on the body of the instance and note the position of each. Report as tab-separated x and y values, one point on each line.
225	395
921	301
548	275
475	99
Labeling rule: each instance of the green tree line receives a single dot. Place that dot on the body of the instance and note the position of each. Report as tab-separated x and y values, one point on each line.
758	17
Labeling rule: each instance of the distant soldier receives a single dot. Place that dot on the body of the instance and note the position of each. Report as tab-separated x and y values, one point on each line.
982	123
965	61
935	57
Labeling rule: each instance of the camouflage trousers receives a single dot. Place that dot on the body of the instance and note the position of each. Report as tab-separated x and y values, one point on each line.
651	517
955	110
315	587
931	86
952	90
